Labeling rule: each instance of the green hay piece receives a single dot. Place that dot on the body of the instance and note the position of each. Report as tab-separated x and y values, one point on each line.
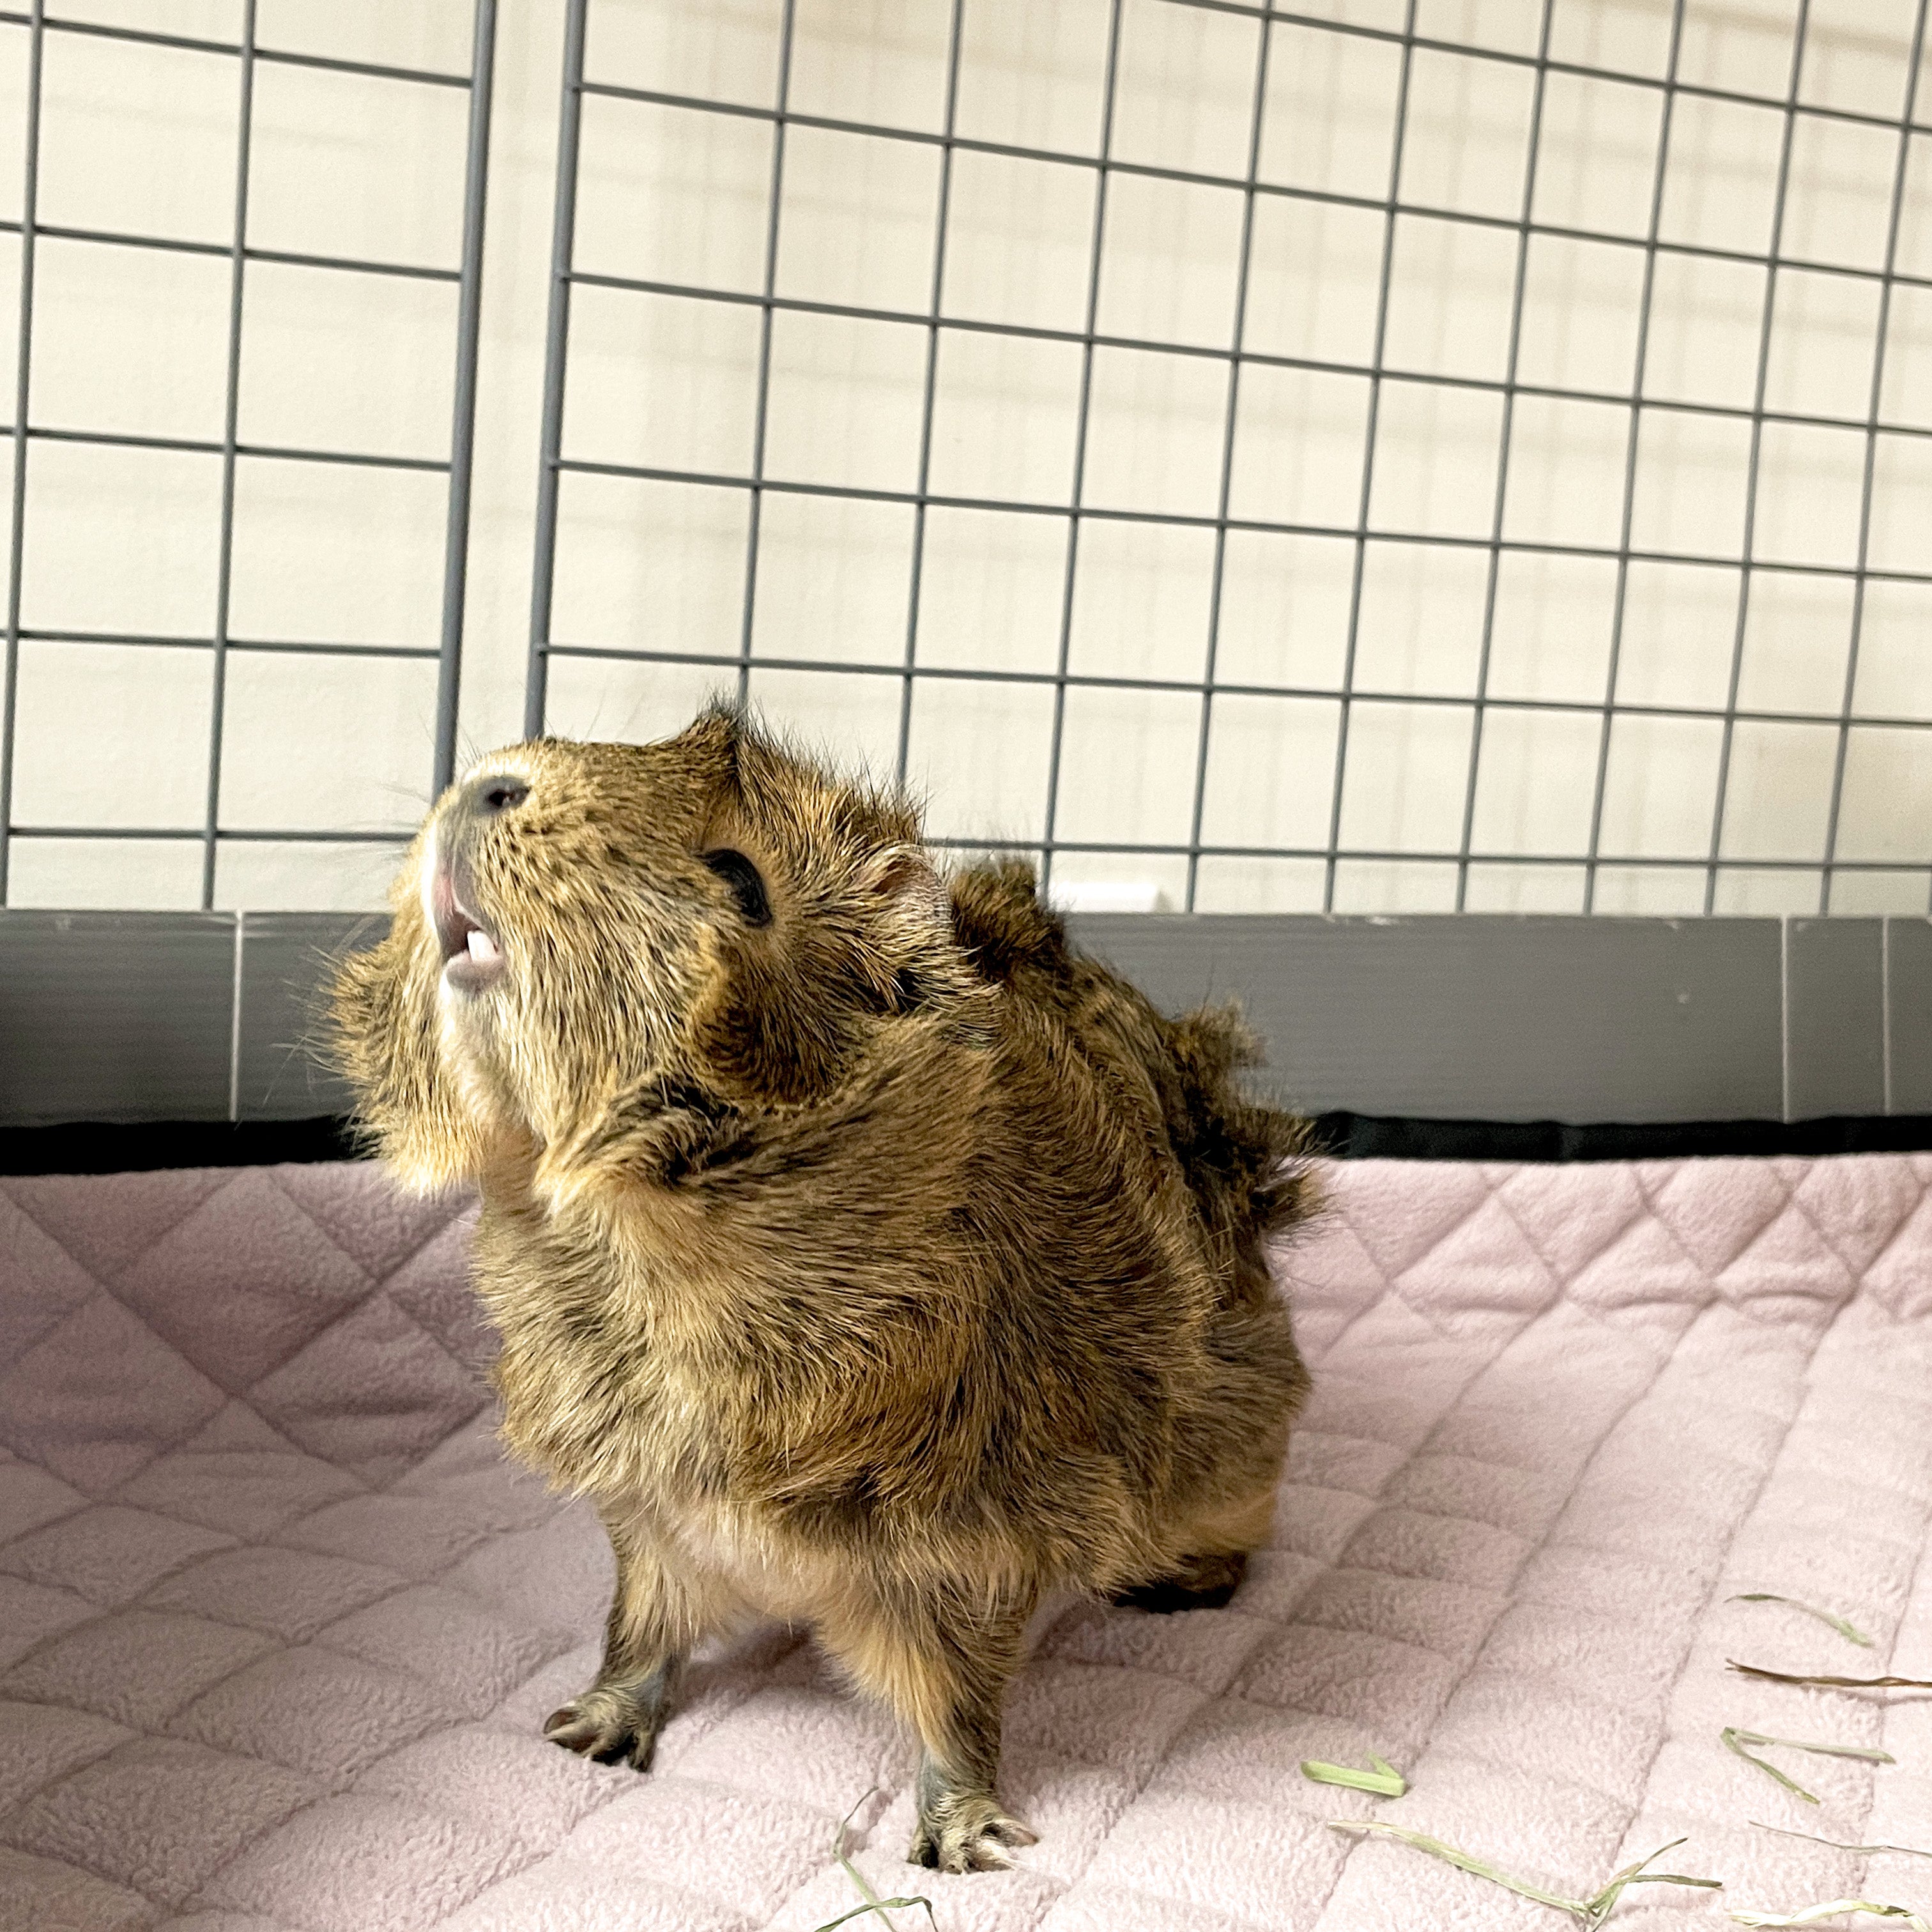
1839	1845
1383	1781
880	1906
1735	1740
874	1903
1590	1912
1843	1626
1835	1908
1832	1683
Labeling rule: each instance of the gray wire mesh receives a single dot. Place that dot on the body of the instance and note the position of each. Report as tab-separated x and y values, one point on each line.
38	26
1459	845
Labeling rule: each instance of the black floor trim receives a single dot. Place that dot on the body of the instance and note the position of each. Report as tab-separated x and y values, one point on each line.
1369	1137
95	1147
92	1146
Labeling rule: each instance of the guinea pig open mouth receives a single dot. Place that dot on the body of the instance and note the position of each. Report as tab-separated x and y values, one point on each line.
472	960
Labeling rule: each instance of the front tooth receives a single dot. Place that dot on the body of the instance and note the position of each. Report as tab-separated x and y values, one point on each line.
482	947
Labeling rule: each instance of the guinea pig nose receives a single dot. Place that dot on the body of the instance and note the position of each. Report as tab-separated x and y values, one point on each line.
497	792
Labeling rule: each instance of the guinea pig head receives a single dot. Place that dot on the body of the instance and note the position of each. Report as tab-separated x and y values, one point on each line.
588	935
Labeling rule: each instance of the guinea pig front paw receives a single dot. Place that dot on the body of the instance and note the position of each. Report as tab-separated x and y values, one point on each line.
607	1725
967	1831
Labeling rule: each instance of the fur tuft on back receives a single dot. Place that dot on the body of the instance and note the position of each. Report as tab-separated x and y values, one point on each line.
1248	1165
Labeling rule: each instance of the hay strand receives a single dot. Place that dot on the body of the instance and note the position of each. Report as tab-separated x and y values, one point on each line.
1846	1628
1589	1912
1735	1740
1839	1844
1835	1908
873	1903
1382	1781
1831	1683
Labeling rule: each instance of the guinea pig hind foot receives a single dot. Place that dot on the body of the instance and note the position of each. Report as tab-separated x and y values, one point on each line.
965	1831
1199	1583
612	1723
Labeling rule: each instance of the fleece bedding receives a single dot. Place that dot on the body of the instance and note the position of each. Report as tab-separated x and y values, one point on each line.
279	1624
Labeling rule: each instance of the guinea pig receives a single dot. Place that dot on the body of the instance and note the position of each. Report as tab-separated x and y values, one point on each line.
869	1258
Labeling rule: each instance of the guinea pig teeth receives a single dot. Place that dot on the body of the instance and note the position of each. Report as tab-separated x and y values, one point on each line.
482	947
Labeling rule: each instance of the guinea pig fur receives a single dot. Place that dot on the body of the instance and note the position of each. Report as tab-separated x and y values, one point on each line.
869	1258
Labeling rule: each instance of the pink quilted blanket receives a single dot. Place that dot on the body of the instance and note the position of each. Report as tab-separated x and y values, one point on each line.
277	1625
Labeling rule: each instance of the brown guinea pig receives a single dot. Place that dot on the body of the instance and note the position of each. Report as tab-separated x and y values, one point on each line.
869	1258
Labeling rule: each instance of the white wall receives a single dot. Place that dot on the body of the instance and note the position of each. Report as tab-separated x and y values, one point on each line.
128	340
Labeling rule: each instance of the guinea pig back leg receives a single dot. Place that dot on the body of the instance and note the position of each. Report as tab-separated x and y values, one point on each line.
1219	1542
1196	1583
656	1616
944	1666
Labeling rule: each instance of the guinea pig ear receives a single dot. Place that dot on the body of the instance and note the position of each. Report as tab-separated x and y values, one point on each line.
903	880
387	1028
723	730
920	962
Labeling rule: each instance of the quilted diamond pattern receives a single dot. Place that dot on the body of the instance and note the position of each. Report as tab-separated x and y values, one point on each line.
98	1395
136	1666
162	1817
210	1287
110	1554
278	1623
68	1207
39	1282
371	1394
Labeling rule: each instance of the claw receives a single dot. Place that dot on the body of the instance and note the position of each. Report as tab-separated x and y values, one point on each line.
604	1729
975	1836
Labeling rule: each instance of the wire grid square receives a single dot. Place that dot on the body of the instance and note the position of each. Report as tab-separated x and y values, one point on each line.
1611	286
187	216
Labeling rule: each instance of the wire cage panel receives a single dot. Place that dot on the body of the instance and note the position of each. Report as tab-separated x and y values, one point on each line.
1436	456
1433	457
246	238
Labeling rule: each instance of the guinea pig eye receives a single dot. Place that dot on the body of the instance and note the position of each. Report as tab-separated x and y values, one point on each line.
742	876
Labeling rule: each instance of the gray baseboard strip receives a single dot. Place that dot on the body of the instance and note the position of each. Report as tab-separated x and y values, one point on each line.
209	1016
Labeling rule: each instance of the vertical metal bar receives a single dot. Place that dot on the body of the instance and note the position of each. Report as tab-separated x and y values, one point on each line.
1109	92
1756	446
557	342
463	425
1783	1015
1862	560
754	519
16	531
1639	363
932	379
225	564
1885	949
1369	456
235	970
1884	974
1263	43
1533	147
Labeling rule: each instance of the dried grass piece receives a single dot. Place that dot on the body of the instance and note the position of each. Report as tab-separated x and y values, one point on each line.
1838	1844
1835	1908
1383	1781
1843	1626
1590	1912
873	1904
880	1906
1831	1683
1735	1740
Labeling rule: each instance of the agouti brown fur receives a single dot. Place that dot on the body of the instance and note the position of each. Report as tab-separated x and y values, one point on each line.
867	1256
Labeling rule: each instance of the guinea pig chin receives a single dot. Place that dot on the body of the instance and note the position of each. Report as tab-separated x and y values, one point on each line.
472	957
